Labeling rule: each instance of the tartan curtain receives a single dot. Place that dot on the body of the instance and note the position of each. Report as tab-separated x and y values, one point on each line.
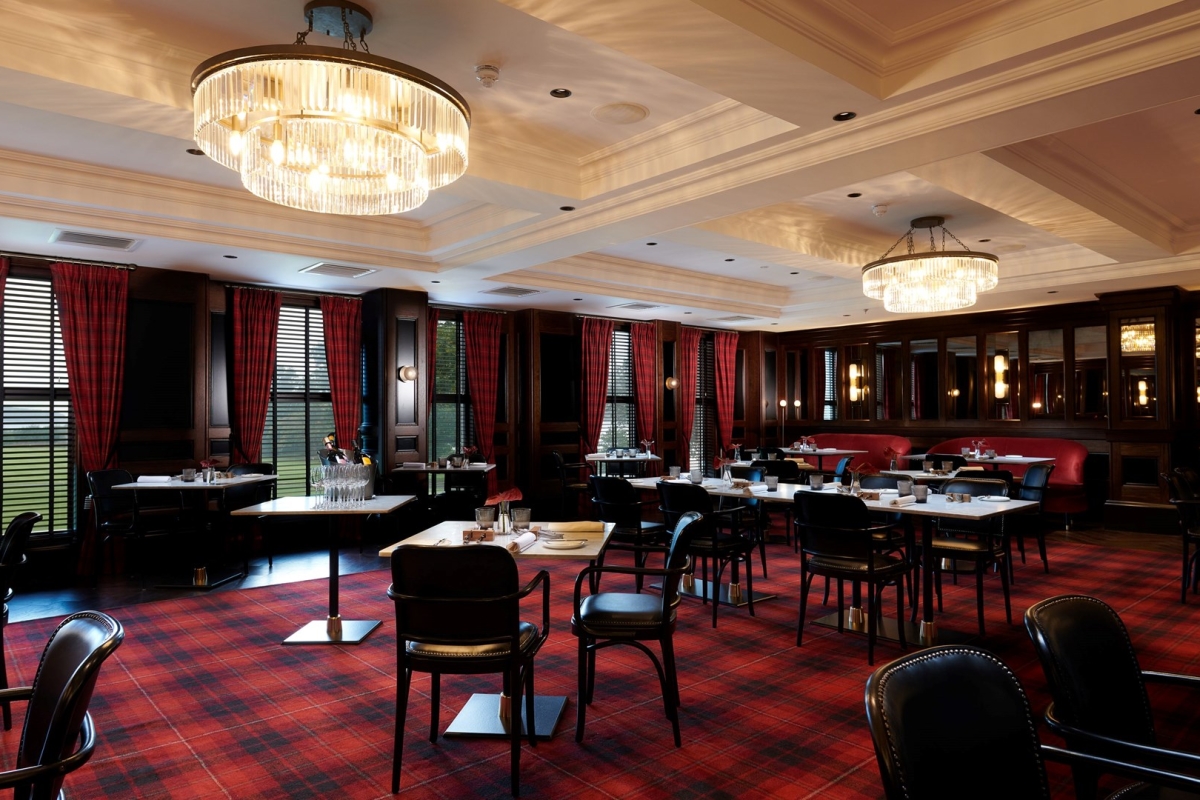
92	304
431	324
3	278
725	372
255	325
481	334
689	346
597	343
644	343
342	323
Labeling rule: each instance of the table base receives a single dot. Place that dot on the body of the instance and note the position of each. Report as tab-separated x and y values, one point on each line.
480	717
201	579
317	632
699	588
886	629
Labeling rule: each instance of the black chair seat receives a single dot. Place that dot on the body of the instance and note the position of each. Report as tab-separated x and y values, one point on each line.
527	631
970	546
857	569
600	614
1144	791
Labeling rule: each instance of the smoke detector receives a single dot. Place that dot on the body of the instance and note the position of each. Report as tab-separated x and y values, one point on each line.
487	75
878	210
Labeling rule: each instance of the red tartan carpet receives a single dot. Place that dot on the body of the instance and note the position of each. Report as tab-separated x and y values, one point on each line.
203	701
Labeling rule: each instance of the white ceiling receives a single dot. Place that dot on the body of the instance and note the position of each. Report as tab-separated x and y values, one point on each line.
1063	131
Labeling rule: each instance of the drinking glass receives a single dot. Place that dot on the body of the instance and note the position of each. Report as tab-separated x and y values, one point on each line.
485	517
904	487
921	492
674	472
696	476
817	482
520	519
772	482
189	475
927	466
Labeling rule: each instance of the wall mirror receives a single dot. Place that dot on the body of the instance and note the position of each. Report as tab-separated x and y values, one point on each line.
923	362
962	364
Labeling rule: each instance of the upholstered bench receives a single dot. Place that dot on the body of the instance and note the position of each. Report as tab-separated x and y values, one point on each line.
874	443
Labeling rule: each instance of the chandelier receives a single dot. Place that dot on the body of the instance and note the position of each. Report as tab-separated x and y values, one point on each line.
1138	337
940	280
327	129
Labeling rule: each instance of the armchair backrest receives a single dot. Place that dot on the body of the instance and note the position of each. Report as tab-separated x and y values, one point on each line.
455	595
878	482
833	525
1190	479
680	498
251	493
1033	485
62	690
786	470
107	503
952	717
1091	667
976	487
691	525
12	548
616	501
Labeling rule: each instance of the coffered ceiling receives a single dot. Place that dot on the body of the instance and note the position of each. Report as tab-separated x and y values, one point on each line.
1065	133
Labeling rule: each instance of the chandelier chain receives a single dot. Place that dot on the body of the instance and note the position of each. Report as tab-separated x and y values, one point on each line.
348	42
898	241
302	36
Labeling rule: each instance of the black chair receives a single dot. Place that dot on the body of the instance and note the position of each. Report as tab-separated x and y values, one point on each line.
610	618
787	471
953	721
838	540
726	546
57	711
1099	688
617	501
572	483
12	555
458	612
771	454
1033	487
1187	504
982	542
118	514
839	471
758	512
250	494
946	461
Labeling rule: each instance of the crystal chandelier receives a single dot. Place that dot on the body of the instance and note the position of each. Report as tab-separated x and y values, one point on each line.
940	280
1138	337
327	129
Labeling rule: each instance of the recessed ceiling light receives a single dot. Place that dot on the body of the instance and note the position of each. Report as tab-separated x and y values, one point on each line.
651	244
765	266
854	194
435	281
774	323
578	299
845	315
196	151
984	241
844	116
566	208
230	256
1198	110
1052	291
560	93
687	312
795	273
729	259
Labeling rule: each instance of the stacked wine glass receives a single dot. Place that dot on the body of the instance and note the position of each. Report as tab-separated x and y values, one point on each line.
342	485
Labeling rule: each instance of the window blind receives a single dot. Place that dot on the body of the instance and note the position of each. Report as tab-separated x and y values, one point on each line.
617	429
829	385
704	421
452	425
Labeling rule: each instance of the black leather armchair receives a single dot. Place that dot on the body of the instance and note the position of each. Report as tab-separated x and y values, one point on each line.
250	494
1187	503
1033	487
118	513
572	483
12	555
617	501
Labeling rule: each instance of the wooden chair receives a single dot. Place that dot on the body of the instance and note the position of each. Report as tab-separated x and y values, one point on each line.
12	555
572	483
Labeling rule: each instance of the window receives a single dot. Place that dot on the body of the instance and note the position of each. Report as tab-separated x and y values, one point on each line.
451	425
704	419
617	430
37	462
301	410
829	387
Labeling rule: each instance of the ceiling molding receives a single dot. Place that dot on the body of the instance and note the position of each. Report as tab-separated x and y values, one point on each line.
458	225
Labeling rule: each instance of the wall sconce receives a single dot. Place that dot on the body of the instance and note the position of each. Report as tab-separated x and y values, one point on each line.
856	381
1000	365
783	403
406	374
796	403
672	383
1143	397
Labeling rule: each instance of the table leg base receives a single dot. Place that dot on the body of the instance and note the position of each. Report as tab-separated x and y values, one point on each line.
200	579
317	632
886	629
480	717
699	587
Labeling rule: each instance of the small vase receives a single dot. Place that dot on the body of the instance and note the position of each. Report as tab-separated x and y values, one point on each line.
855	487
893	466
504	525
727	476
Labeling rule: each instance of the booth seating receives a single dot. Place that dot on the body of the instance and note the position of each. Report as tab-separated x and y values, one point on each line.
874	443
1065	493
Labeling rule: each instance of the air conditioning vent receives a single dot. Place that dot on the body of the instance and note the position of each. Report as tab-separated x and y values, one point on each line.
94	240
337	270
636	306
512	291
735	319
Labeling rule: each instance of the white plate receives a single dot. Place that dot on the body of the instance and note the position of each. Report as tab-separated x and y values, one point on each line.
565	544
889	491
250	475
993	498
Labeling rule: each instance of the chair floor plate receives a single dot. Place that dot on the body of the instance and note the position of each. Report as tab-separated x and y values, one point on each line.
209	580
887	630
698	593
480	717
316	632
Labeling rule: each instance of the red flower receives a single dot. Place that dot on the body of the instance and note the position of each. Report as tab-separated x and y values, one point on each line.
507	496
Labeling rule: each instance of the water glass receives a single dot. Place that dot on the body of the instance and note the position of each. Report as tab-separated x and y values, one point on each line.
927	466
520	518
817	482
189	475
772	482
905	487
921	492
696	476
485	517
674	472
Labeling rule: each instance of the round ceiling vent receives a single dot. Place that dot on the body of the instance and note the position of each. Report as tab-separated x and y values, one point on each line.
620	113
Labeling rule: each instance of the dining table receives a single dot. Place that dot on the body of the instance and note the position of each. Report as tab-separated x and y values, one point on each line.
637	463
202	577
481	715
995	462
821	453
333	629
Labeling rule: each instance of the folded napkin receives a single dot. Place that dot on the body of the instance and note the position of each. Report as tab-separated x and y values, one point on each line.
521	543
678	480
759	487
576	527
478	465
1011	455
907	500
412	465
154	479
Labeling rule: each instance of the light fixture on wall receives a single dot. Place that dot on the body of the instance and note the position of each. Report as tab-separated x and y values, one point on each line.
1143	393
672	383
940	280
856	372
1137	337
407	374
330	129
1000	367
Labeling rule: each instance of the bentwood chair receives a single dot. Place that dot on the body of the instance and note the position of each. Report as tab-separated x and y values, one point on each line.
953	721
244	496
1033	487
118	514
572	484
57	711
609	618
1187	504
12	555
458	612
617	501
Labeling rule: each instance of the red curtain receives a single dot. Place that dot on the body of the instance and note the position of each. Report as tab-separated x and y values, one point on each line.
341	318
689	346
255	324
644	342
431	324
91	306
725	372
3	278
597	343
481	333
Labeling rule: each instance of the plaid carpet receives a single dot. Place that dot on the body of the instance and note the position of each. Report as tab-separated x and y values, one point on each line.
203	701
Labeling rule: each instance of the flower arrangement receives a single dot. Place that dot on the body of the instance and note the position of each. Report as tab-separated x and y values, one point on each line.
472	450
507	496
979	446
857	471
208	463
891	455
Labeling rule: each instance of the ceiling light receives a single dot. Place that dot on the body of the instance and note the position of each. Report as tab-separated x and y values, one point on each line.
854	194
651	244
729	259
1137	336
940	280
333	130
795	273
487	75
228	256
560	93
194	151
844	116
566	208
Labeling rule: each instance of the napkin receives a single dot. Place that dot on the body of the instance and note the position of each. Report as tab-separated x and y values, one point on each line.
1011	455
903	501
678	480
154	479
521	543
758	487
412	465
576	527
477	465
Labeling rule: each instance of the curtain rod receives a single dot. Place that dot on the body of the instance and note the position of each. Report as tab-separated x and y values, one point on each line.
54	259
451	307
651	322
306	292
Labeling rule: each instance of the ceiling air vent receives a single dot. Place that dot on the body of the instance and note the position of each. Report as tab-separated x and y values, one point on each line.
94	240
636	306
512	291
337	270
735	319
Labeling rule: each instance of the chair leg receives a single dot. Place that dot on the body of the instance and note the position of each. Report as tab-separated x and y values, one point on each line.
841	606
1041	540
530	723
937	583
7	707
805	584
591	674
435	705
581	700
871	625
671	692
514	728
1007	599
825	600
900	616
403	679
979	571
